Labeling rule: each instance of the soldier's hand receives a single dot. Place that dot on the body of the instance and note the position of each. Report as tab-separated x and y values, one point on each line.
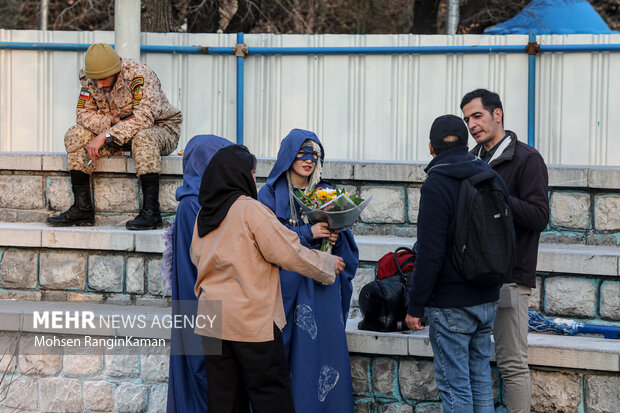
95	144
116	118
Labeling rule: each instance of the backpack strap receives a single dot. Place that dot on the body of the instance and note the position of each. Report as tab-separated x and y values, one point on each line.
481	176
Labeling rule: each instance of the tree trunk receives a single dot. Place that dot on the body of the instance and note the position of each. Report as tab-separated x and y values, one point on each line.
156	16
244	19
203	16
425	16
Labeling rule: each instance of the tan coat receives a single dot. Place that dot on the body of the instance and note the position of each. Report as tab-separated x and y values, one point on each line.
238	264
136	94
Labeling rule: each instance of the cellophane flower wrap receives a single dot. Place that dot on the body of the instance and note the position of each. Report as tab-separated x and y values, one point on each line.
334	206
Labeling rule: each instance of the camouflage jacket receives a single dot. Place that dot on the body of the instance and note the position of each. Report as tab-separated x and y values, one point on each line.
136	94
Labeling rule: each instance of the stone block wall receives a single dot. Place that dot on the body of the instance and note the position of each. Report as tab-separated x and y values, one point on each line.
79	275
583	200
101	381
406	385
32	196
583	204
106	380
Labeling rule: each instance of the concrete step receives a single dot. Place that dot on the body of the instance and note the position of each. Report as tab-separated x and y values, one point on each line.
559	258
106	238
34	186
574	352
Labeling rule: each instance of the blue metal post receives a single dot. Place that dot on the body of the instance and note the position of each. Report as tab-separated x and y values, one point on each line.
240	60
531	95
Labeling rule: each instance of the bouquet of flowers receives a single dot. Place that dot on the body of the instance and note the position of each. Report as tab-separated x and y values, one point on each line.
333	206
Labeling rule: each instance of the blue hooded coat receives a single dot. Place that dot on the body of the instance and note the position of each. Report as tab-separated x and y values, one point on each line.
314	336
187	381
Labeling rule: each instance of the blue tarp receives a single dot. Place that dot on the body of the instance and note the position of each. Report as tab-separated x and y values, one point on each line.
554	17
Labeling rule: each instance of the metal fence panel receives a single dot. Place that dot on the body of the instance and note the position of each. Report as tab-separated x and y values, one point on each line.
375	107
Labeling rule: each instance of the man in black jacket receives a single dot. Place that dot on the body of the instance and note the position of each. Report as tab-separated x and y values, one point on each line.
525	174
460	313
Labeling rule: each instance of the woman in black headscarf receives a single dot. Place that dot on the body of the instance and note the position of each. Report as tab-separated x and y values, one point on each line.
237	247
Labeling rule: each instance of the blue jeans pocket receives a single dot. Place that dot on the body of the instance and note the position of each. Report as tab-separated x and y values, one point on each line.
459	321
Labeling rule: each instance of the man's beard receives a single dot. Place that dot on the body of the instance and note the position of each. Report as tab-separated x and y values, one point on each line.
108	89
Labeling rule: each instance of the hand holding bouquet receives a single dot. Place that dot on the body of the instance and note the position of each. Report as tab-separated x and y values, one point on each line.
333	206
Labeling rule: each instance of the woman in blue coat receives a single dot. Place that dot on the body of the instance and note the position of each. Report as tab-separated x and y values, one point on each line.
314	336
187	381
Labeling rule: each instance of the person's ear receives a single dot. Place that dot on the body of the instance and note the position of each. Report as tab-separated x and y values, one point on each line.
432	151
497	115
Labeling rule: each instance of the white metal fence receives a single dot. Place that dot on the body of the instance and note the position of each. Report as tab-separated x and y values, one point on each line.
362	107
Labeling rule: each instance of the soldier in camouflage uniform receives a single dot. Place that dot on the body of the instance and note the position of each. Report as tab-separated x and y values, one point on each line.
121	104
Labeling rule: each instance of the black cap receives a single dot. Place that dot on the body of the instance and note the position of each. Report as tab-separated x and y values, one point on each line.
447	125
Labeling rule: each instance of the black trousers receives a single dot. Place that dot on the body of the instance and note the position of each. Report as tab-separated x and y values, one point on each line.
247	374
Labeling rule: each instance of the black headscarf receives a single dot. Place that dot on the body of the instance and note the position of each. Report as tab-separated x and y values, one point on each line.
227	177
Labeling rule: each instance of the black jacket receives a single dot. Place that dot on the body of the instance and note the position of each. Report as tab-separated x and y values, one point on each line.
524	171
436	282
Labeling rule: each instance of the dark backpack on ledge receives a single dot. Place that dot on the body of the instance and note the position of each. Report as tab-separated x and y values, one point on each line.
484	241
383	302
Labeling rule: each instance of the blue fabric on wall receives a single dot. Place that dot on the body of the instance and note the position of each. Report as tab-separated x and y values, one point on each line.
187	382
314	336
554	17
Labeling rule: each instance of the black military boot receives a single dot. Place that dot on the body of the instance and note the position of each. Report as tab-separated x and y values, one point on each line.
82	211
149	216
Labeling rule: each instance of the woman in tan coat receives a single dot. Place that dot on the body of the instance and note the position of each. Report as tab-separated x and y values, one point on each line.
237	247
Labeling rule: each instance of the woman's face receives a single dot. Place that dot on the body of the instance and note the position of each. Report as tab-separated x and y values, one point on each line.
304	167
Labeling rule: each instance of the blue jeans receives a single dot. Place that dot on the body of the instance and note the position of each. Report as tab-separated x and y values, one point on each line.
461	341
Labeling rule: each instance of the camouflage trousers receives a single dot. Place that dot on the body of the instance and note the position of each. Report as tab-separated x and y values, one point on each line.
147	147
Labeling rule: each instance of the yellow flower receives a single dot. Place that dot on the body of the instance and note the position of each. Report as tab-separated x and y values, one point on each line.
325	194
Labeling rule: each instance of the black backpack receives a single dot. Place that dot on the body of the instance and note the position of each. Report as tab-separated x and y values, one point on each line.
383	302
484	241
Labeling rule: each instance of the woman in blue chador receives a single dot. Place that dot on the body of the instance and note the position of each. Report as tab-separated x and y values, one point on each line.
314	335
187	382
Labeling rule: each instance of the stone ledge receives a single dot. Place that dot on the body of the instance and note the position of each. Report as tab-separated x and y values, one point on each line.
559	258
57	162
568	176
89	238
172	165
586	353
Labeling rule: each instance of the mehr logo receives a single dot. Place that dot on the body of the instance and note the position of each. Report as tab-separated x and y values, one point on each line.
64	319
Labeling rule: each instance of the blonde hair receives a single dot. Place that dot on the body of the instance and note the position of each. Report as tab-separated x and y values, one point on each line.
315	177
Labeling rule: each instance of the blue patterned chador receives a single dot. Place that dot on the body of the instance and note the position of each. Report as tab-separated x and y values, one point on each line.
187	382
314	336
